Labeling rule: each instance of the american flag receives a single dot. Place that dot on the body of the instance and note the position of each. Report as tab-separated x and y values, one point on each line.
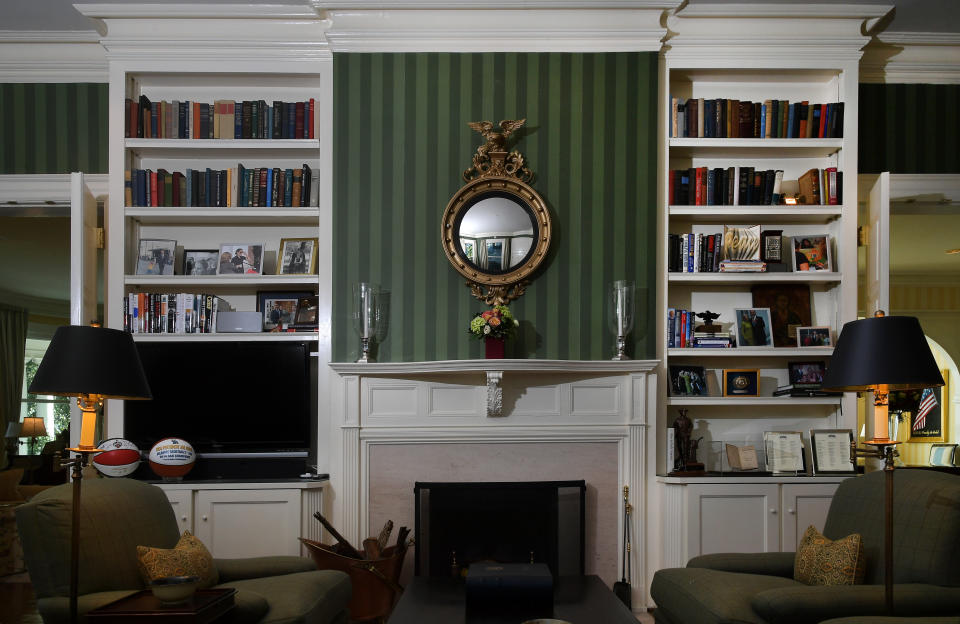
928	401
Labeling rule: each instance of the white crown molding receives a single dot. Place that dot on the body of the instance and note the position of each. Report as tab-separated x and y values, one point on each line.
52	56
45	188
491	30
165	10
495	4
49	36
912	58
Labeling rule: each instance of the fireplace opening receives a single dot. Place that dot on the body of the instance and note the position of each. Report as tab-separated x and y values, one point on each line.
503	522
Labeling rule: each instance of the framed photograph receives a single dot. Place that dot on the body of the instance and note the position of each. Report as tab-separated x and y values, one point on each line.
240	259
688	381
200	261
943	454
741	381
830	449
789	309
814	337
279	309
812	253
807	375
741	242
784	450
155	256
298	256
753	327
927	409
306	317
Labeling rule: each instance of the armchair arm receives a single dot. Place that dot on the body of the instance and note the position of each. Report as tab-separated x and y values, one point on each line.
258	567
812	603
769	563
56	609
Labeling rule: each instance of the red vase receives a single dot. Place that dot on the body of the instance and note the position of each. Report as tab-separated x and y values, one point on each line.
495	347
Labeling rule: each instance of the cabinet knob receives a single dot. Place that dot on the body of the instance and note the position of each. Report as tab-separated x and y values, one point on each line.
204	518
184	518
773	511
791	511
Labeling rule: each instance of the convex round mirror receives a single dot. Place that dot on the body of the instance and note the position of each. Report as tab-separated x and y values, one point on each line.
496	228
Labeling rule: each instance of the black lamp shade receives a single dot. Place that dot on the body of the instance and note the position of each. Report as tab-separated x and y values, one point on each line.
91	360
885	350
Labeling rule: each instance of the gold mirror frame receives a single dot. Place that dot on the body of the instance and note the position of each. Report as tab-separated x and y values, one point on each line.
495	172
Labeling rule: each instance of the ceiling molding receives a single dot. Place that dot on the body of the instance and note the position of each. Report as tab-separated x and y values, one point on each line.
165	10
52	56
494	4
912	58
49	36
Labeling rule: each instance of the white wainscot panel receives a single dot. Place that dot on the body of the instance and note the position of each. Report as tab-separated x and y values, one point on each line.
596	398
453	400
389	399
521	400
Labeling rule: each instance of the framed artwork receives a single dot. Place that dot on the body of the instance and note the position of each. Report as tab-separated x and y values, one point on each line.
943	454
753	327
789	309
927	409
814	337
784	451
812	253
156	256
807	375
830	449
741	242
306	317
278	310
741	382
240	259
200	261
298	256
688	381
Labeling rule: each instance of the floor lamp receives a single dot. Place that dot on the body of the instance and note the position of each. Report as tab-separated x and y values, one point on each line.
92	364
880	355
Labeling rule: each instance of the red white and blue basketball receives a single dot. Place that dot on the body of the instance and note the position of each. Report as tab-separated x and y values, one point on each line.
119	457
172	458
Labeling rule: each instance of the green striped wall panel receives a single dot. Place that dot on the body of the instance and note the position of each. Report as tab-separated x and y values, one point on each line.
401	142
53	128
919	131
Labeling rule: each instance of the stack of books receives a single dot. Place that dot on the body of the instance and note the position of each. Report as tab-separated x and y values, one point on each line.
717	340
742	266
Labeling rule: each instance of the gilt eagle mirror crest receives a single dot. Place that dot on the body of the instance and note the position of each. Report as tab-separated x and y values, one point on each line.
496	229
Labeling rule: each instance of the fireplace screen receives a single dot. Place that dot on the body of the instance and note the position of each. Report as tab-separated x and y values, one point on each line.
524	522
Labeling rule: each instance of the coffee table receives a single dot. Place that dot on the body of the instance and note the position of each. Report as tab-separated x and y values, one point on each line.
577	599
207	605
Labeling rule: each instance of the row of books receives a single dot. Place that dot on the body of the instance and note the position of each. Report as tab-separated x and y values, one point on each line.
706	253
821	187
681	333
260	186
770	119
174	313
223	119
733	186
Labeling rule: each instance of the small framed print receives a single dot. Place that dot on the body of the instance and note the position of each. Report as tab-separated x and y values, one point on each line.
943	454
306	317
278	310
927	410
754	328
688	381
784	452
830	449
155	256
814	337
812	253
240	259
200	261
298	256
740	382
807	375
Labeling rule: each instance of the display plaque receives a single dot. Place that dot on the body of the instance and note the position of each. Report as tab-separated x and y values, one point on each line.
831	451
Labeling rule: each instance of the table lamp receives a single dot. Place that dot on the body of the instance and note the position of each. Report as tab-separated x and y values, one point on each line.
92	364
880	355
33	427
13	438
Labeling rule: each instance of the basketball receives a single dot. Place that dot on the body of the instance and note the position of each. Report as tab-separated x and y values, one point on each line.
172	458
119	457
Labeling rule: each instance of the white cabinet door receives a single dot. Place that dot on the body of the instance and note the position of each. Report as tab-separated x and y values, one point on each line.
733	518
182	502
803	505
249	523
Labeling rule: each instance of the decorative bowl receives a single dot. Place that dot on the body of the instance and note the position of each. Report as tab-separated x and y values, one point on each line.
173	589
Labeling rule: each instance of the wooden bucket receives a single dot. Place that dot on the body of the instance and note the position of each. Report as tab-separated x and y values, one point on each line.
375	587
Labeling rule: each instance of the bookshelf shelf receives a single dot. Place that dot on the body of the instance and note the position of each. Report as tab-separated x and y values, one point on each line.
229	337
759	214
746	352
806	277
779	402
224	216
754	148
144	145
221	281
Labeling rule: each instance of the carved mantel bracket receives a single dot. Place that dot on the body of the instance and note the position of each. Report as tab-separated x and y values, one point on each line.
494	394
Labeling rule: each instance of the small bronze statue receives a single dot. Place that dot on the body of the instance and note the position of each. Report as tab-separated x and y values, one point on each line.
686	463
708	327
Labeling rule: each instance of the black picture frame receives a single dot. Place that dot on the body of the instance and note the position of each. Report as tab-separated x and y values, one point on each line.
807	375
842	439
307	313
688	381
739	382
288	301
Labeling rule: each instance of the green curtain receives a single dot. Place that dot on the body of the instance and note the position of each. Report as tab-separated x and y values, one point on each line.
13	342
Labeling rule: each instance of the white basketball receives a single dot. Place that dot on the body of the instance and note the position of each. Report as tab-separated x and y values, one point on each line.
119	457
172	457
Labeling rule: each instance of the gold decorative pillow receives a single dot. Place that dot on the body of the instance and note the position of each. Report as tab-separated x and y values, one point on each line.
821	561
188	558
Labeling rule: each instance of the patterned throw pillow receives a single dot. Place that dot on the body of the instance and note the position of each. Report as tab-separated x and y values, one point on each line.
821	561
188	558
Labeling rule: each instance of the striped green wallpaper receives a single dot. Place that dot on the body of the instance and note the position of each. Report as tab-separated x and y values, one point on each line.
53	128
400	143
918	128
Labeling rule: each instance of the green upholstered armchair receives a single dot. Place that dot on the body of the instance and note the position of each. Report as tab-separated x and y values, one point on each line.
759	588
117	515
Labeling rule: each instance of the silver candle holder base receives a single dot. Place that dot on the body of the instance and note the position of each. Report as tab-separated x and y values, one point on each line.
621	349
365	357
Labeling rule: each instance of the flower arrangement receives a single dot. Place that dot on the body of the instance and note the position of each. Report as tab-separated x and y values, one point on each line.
497	322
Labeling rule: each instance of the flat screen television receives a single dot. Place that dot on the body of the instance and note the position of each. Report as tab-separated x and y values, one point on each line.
227	398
